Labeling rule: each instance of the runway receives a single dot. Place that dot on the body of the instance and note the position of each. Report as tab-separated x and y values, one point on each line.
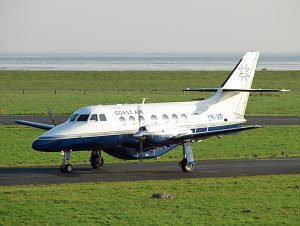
148	171
251	120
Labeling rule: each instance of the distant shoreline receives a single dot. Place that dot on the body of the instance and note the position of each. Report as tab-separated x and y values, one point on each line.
142	63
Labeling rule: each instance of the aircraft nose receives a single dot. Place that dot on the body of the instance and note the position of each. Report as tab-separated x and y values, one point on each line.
43	145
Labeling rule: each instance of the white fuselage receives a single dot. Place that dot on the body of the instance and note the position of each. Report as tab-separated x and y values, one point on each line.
128	118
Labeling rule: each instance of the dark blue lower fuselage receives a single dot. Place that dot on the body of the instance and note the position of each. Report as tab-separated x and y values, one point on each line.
123	146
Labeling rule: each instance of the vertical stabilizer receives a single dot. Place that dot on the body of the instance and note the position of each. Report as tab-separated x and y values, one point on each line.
242	75
240	78
233	94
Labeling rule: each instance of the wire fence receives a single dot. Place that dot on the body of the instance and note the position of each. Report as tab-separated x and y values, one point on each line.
86	91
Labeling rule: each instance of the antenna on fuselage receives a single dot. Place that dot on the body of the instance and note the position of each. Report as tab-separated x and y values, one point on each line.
144	98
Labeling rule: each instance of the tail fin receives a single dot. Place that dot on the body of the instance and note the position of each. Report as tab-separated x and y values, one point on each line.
234	92
242	75
241	78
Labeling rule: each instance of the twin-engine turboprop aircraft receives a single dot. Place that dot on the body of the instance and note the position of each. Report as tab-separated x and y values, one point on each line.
144	131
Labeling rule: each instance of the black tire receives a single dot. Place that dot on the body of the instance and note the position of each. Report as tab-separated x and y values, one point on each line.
62	169
68	168
97	164
185	167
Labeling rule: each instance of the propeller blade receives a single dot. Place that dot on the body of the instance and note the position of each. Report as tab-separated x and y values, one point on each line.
50	115
141	160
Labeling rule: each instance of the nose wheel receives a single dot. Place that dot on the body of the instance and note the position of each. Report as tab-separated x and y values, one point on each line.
66	167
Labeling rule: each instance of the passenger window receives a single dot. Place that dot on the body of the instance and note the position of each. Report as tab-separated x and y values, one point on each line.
131	120
102	117
122	120
165	118
83	118
73	117
174	118
153	119
94	117
183	117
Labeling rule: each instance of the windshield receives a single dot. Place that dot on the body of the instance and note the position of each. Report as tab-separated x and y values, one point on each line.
83	118
73	117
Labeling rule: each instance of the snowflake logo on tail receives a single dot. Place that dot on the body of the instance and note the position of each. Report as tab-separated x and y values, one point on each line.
244	72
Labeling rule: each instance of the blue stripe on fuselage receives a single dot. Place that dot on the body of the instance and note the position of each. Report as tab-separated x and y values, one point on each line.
104	142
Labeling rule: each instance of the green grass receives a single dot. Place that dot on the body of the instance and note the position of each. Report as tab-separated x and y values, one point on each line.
269	142
261	200
129	87
272	200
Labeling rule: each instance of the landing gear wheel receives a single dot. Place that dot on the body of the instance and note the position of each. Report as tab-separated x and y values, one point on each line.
98	163
185	166
66	168
62	169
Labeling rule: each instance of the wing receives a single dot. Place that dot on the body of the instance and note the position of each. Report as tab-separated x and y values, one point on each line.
204	135
35	124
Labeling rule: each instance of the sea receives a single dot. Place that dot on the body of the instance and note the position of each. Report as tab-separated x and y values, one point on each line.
142	62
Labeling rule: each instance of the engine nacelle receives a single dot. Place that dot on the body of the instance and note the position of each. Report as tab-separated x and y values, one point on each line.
156	134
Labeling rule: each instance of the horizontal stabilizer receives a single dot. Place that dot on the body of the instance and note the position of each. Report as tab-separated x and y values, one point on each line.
201	89
234	90
207	134
255	90
35	124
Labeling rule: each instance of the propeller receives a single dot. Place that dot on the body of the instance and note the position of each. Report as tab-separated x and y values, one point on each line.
50	115
140	135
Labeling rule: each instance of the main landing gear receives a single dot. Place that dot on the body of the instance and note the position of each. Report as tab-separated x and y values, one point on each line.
187	164
65	167
96	159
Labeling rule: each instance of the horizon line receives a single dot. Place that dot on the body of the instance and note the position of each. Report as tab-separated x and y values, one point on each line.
139	54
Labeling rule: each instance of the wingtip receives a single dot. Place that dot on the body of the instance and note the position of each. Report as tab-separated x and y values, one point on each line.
285	90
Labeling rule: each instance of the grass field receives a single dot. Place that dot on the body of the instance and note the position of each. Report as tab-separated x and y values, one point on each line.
267	142
34	92
261	200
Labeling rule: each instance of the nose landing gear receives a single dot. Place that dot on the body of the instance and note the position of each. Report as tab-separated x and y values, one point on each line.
65	167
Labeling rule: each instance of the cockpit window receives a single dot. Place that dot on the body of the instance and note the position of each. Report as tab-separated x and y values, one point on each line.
83	118
102	117
73	117
94	117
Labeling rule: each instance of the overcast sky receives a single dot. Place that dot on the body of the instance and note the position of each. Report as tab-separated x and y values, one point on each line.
153	26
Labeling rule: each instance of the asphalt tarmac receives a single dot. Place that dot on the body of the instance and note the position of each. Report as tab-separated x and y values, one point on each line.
148	171
251	120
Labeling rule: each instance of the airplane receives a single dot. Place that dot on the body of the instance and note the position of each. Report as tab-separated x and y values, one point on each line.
150	130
